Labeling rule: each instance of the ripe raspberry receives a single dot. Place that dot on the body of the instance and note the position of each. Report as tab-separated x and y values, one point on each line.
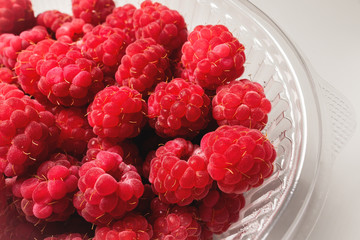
117	112
143	206
92	11
48	195
126	149
68	236
122	17
144	65
219	210
106	45
27	131
53	19
178	173
109	188
178	108
212	56
16	16
241	103
75	131
73	31
166	26
7	76
132	226
239	158
25	68
175	222
11	45
68	77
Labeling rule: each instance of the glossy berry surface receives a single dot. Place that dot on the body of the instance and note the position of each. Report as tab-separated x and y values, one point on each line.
92	11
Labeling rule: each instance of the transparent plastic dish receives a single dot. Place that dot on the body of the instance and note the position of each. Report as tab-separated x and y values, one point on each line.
309	123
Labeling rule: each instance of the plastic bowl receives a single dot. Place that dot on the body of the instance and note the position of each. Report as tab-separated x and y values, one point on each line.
309	124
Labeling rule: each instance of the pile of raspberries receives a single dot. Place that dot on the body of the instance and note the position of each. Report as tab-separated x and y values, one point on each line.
120	123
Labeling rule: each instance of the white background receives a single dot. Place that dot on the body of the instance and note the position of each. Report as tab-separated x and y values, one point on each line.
328	34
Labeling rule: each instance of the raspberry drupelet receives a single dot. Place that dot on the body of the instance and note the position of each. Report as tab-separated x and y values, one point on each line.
7	76
166	26
144	65
106	46
178	109
117	112
48	195
132	226
212	56
178	173
241	103
238	158
53	19
68	236
92	11
68	77
28	132
16	16
109	188
73	30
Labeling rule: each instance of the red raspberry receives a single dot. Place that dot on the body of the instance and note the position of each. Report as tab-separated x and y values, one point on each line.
73	31
132	226
109	188
68	236
92	11
239	158
27	131
219	210
106	45
7	76
11	45
25	68
16	16
68	77
212	56
117	112
144	65
122	17
241	103
166	26
143	206
178	108
48	195
178	173
53	19
175	222
75	131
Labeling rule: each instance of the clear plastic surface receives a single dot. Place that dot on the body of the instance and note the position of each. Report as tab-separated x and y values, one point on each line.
309	124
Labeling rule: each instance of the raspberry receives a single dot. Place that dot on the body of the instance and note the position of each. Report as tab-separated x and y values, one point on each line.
241	103
117	112
239	158
219	210
92	11
178	108
73	31
144	65
68	77
16	16
175	222
122	17
212	56
166	26
11	45
27	131
25	68
131	226
6	75
48	195
75	131
106	45
178	173
143	206
109	188
53	19
70	236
